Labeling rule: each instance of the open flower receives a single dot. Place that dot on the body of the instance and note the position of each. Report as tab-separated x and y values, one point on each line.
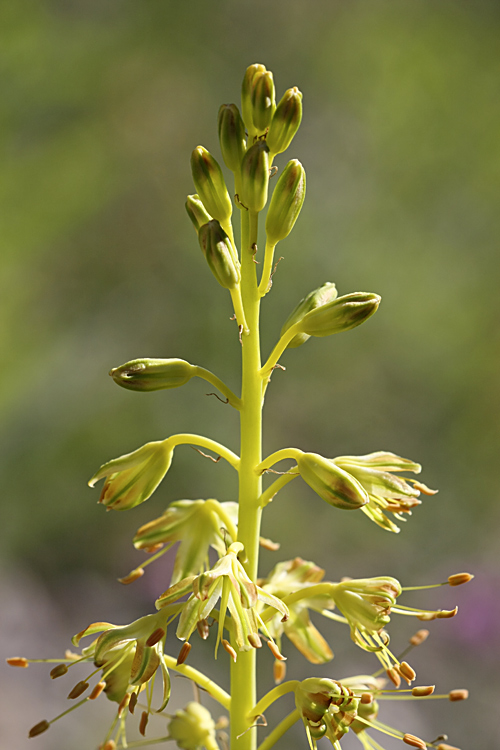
132	478
326	707
226	581
286	578
385	491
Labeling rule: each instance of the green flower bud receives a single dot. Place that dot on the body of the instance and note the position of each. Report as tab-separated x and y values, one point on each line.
286	202
197	211
285	122
255	177
210	185
341	314
263	101
153	374
331	483
217	249
231	136
314	695
317	298
246	92
193	728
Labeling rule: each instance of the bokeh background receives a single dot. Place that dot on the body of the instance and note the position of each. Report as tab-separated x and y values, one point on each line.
102	103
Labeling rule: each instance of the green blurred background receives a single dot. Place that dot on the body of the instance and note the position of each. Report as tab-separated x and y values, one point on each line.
102	103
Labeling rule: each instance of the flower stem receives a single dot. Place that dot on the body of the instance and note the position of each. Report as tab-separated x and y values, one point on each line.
204	442
279	731
271	696
232	399
200	679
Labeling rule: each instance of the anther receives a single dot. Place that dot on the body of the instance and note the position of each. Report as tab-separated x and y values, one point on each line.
458	578
419	637
18	661
79	688
269	544
275	651
444	746
458	695
153	548
279	671
407	672
366	699
155	637
97	690
143	723
183	653
394	677
132	702
254	640
413	741
418	692
230	650
445	613
58	671
132	576
424	489
124	703
203	629
109	745
427	616
42	726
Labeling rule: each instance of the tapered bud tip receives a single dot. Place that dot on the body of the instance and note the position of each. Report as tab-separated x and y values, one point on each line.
231	136
342	314
458	695
255	177
286	121
17	661
42	726
210	185
153	374
286	202
459	578
197	211
263	100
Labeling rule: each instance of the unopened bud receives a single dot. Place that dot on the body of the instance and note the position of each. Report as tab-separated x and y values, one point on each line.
419	637
251	74
18	661
263	100
79	688
143	723
318	297
342	314
58	671
231	136
217	249
42	726
183	653
420	691
153	374
97	690
255	177
458	695
413	741
210	185
286	202
279	671
285	122
459	578
331	483
197	211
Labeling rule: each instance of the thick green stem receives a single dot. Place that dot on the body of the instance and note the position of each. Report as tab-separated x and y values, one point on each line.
243	671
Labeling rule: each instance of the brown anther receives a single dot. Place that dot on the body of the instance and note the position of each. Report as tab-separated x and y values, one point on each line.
366	699
269	544
458	695
18	661
143	723
58	671
413	741
279	671
444	746
275	651
203	629
443	614
109	745
124	703
254	640
418	692
79	688
132	576
407	672
97	690
132	702
155	637
394	677
153	548
42	726
424	489
458	578
419	637
183	653
230	650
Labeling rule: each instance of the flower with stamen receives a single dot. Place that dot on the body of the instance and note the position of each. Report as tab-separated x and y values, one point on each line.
326	707
386	492
226	581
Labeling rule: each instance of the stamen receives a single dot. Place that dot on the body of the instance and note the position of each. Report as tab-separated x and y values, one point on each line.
269	544
230	650
394	677
58	671
419	637
446	613
143	723
42	726
132	576
18	661
97	691
458	695
254	640
418	692
109	745
183	653
275	651
123	705
444	746
132	702
459	578
79	688
407	672
279	671
366	699
413	741
153	548
203	629
155	637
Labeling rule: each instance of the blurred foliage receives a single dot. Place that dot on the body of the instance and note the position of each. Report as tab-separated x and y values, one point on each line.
102	104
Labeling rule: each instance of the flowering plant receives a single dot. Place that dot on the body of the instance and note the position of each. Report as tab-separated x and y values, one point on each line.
248	610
